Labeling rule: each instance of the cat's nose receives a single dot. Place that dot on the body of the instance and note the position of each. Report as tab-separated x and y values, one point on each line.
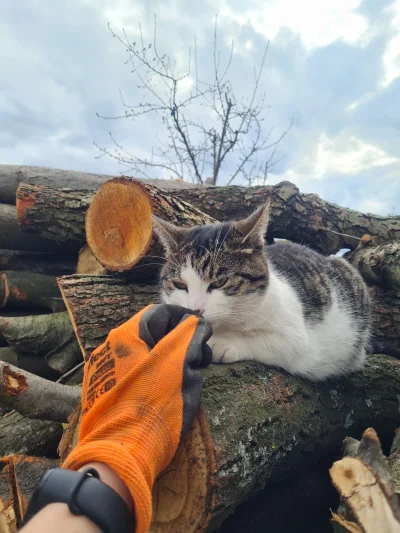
199	311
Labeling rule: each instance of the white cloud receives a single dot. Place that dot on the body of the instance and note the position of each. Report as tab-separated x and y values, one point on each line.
347	154
391	57
319	23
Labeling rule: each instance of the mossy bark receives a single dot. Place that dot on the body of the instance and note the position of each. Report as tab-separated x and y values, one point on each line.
266	425
43	343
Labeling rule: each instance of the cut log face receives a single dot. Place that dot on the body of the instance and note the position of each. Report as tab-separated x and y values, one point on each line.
119	228
364	481
118	224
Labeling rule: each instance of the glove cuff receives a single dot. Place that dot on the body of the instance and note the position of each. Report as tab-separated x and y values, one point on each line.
126	466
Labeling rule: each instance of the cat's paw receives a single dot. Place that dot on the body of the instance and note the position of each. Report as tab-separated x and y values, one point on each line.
223	352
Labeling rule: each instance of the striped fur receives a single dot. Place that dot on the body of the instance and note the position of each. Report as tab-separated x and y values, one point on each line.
284	305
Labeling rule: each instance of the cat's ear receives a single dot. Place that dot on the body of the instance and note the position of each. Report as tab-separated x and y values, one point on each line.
169	235
254	227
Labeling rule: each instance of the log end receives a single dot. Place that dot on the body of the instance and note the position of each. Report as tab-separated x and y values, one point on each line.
119	224
183	492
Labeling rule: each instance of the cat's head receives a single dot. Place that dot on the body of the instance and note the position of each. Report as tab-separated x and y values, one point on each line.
218	270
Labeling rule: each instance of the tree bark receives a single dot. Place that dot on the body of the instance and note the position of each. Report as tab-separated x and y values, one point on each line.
255	429
24	290
378	265
36	397
119	227
12	175
19	477
54	214
97	304
303	218
47	338
38	263
12	238
27	436
386	317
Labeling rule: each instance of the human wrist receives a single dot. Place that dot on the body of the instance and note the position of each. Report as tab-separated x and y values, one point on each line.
111	478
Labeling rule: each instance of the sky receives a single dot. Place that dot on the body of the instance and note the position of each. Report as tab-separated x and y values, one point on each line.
332	71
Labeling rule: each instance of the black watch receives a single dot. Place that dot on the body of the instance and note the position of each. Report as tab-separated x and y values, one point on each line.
85	495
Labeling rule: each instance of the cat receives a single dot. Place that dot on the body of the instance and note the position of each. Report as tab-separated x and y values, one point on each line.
284	304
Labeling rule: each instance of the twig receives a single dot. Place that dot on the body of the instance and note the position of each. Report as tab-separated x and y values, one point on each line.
72	371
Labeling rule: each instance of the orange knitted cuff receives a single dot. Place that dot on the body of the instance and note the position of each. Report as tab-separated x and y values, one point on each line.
125	466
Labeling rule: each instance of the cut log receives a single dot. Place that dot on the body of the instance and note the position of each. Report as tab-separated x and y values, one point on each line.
303	218
12	238
88	264
96	304
38	263
368	498
379	265
12	175
53	214
255	429
22	475
21	435
24	290
36	397
51	338
119	228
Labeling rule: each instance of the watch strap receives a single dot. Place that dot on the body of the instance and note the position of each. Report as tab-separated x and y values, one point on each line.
85	495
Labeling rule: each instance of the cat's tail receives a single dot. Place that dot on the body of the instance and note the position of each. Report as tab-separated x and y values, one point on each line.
384	347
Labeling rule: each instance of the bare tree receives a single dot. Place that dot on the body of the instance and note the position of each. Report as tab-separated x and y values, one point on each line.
207	127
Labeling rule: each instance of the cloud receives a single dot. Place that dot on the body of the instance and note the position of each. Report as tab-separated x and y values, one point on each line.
332	67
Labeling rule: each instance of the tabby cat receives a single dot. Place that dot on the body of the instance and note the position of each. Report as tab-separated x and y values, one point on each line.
284	305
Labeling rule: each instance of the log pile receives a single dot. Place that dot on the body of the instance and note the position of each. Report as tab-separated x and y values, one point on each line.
76	262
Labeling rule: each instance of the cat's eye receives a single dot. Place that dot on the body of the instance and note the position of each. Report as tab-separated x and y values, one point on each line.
217	284
179	285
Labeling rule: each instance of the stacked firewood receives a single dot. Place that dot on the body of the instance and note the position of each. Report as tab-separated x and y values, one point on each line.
76	262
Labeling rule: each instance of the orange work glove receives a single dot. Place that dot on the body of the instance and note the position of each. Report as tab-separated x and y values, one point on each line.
140	394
